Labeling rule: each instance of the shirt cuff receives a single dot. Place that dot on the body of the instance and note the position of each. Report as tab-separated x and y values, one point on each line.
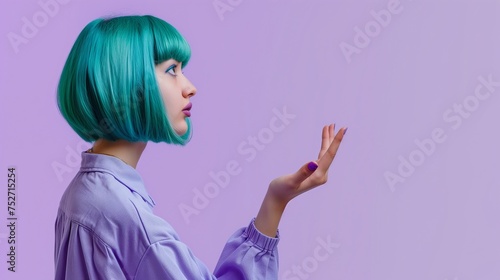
261	240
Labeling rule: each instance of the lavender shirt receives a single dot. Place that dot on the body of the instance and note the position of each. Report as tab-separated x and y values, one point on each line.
106	229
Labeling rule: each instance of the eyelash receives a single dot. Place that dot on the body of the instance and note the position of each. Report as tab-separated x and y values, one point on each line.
173	67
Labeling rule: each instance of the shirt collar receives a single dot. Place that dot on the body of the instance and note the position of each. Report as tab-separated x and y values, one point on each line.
123	172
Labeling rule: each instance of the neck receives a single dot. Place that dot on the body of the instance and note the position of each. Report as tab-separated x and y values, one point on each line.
128	152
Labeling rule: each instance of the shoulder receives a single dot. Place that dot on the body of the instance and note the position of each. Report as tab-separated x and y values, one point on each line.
110	209
101	203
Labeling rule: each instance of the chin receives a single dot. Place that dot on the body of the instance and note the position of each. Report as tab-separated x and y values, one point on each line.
181	130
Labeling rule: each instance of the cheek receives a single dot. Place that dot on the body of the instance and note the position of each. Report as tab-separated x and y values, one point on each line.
166	97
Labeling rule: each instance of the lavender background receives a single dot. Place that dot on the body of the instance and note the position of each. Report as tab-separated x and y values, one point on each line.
259	56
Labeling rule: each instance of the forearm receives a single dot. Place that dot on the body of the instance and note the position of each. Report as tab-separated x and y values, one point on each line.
269	216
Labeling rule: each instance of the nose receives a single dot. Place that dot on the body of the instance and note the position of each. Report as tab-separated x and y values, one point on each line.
189	89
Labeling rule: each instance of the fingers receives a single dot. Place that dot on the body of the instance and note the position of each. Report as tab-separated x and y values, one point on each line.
329	146
327	138
326	159
332	130
304	172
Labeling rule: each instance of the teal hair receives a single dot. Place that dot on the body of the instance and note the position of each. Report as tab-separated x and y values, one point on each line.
108	87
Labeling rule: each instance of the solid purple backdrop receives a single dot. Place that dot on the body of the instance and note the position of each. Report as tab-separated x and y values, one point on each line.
403	76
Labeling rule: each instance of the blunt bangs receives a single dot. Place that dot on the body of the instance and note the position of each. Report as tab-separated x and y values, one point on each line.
108	86
168	43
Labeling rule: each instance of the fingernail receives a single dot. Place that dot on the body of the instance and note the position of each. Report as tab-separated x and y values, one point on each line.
345	131
312	166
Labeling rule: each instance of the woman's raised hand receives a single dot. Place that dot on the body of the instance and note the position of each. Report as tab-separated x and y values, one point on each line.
310	175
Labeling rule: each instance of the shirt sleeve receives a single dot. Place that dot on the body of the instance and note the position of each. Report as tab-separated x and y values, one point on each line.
248	254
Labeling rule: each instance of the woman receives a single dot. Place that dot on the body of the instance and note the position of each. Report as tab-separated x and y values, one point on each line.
122	86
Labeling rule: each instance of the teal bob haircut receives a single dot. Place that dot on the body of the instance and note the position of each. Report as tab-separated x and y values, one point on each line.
108	87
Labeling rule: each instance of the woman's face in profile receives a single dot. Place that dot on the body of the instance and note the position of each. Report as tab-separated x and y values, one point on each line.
176	90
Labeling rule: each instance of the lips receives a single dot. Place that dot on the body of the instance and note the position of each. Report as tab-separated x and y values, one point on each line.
186	109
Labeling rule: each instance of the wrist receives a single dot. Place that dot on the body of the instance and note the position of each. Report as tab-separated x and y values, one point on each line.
275	202
269	216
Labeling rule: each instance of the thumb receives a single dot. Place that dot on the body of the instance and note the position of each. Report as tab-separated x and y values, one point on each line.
305	171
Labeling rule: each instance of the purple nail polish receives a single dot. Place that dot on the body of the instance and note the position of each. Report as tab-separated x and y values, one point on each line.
312	166
345	131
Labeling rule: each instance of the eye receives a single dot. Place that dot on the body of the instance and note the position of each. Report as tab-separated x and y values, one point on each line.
171	70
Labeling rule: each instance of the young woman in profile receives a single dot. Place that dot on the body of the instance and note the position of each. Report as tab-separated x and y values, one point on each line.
122	86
